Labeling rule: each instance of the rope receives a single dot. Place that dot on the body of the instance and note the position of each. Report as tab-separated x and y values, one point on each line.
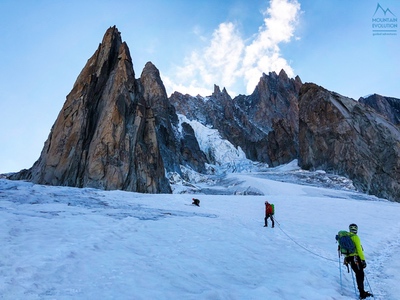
329	259
316	254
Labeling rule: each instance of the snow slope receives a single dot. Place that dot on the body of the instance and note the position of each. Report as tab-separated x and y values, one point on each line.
70	243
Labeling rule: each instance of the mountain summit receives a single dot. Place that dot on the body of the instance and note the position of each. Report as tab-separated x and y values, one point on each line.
105	135
118	132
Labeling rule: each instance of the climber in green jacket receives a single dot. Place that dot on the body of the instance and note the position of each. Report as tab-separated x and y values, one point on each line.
357	261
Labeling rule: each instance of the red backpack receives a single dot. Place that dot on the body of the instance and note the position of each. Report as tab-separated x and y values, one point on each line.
269	209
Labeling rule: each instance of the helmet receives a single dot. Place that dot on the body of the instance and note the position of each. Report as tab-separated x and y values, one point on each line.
266	202
353	228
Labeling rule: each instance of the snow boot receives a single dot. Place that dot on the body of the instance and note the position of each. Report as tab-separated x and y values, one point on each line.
365	294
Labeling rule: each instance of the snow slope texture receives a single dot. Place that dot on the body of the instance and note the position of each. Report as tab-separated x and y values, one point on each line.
70	243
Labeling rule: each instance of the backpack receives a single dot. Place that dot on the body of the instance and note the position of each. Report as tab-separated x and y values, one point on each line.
270	209
346	244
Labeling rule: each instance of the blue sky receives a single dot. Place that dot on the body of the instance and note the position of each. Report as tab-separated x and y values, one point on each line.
195	44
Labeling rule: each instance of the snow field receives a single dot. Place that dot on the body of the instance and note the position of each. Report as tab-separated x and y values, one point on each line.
69	243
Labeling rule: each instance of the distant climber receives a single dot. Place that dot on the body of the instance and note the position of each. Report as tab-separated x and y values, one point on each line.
269	213
196	201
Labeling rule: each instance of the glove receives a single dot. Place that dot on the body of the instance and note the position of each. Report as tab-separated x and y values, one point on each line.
363	264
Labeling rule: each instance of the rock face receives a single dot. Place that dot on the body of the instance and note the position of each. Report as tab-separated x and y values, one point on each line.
386	106
264	124
177	147
273	108
340	135
106	134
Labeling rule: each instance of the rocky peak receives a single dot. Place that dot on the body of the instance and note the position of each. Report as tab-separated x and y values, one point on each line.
154	90
340	135
222	98
104	136
176	149
387	106
105	56
273	106
151	71
283	75
217	90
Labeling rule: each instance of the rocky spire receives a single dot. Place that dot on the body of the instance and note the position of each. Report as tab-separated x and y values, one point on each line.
273	106
217	90
104	137
175	150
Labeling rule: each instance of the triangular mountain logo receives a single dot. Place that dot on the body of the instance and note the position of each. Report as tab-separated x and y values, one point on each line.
384	22
385	11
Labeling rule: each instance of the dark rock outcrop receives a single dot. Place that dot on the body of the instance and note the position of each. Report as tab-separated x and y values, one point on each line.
264	124
340	135
386	106
273	108
177	147
105	135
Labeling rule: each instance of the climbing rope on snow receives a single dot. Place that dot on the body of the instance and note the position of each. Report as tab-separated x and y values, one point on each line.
326	258
308	250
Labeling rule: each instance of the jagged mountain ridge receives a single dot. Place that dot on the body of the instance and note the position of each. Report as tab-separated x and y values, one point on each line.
119	132
264	124
336	134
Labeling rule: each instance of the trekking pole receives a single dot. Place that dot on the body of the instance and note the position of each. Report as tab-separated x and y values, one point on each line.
365	275
354	284
340	274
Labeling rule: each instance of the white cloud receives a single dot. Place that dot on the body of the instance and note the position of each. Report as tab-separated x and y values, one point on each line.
263	54
234	62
